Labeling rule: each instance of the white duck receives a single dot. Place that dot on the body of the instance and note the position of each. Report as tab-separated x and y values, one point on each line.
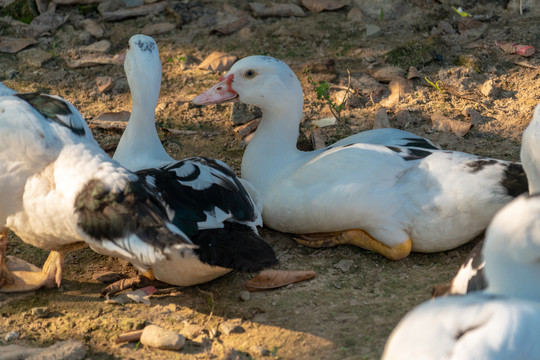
502	322
60	192
384	198
211	204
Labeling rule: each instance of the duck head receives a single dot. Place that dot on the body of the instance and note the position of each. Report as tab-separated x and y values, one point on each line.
256	80
143	69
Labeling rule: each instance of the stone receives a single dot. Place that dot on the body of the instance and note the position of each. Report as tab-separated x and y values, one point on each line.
104	83
11	45
473	115
160	338
244	113
488	89
259	351
320	5
280	10
158	28
13	335
95	29
46	22
16	352
124	13
231	327
245	295
344	265
381	119
110	6
387	73
40	312
133	3
355	14
100	47
62	350
92	60
372	29
34	57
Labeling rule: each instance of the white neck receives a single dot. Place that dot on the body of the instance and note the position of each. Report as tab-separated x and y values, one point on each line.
140	147
273	145
530	155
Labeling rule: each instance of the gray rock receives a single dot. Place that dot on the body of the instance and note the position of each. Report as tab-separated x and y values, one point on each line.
161	338
372	29
488	89
63	350
34	57
243	113
12	335
245	295
259	351
133	3
93	28
100	47
110	5
344	265
17	352
231	327
40	312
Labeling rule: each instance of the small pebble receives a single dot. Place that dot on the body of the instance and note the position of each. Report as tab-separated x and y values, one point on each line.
39	312
161	338
231	327
12	335
259	351
245	295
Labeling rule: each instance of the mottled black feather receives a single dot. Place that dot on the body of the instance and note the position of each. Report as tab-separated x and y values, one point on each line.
110	215
410	154
234	247
189	204
515	180
419	142
50	107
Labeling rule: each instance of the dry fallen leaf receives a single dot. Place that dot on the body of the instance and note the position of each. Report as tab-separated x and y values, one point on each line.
111	120
442	123
280	10
217	62
272	279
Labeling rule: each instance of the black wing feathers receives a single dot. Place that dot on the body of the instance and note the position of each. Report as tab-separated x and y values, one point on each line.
105	214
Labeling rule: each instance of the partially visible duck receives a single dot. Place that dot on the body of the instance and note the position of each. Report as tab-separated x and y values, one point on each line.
211	204
388	199
503	321
60	191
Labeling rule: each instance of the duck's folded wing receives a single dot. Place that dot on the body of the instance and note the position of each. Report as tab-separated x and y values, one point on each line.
131	223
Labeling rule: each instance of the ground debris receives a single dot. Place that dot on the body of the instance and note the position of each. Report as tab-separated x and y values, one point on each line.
442	123
217	62
272	279
134	11
320	5
279	10
12	45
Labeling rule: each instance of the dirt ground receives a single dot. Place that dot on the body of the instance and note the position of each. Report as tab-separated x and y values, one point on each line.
344	313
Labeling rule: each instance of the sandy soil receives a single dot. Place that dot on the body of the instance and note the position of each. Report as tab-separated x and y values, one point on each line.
339	314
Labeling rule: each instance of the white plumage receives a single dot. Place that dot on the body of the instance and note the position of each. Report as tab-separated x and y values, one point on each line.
502	322
211	204
412	195
60	191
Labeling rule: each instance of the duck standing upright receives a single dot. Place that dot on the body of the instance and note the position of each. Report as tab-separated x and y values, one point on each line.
60	191
211	204
387	199
502	322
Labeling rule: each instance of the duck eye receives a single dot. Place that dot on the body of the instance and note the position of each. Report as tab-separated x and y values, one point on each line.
249	74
